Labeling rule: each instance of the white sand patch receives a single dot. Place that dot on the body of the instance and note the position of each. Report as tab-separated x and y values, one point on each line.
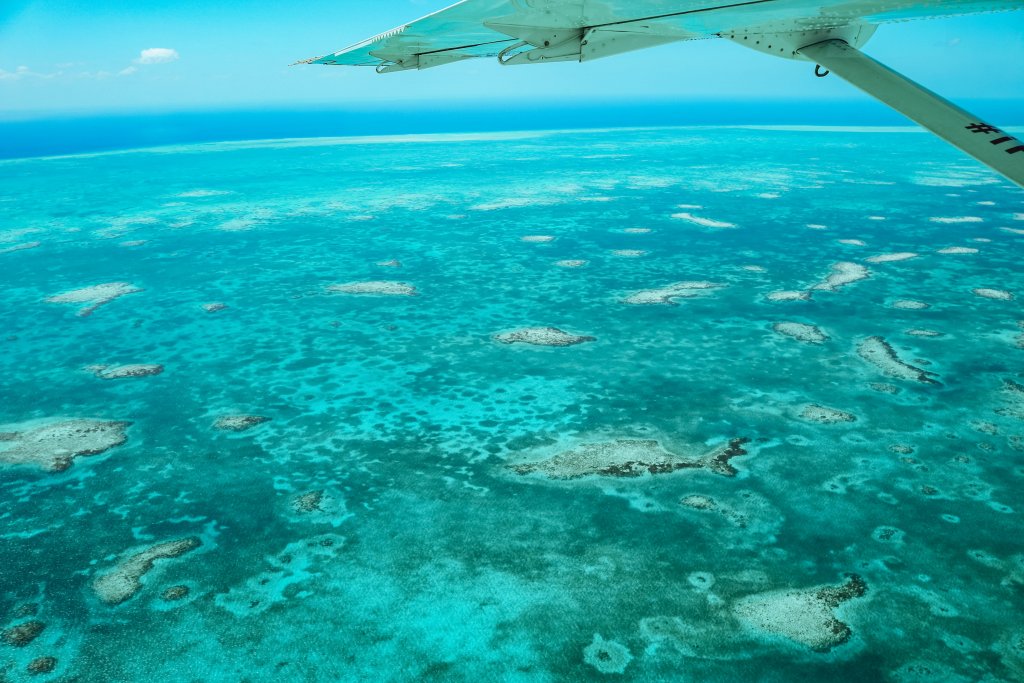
958	250
788	295
703	222
514	203
541	336
636	231
94	296
985	203
628	253
20	247
125	579
202	193
17	234
571	263
667	295
754	269
768	195
843	273
539	239
910	305
801	332
998	294
814	412
698	206
878	352
1018	216
237	224
877	218
890	258
1012	231
952	220
805	616
375	287
817	226
125	371
853	243
53	444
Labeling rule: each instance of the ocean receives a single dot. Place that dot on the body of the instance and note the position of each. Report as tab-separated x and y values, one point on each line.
651	404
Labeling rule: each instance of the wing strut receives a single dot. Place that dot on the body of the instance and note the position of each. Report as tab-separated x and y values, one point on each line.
996	149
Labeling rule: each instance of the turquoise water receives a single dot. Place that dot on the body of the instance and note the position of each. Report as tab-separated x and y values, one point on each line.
372	528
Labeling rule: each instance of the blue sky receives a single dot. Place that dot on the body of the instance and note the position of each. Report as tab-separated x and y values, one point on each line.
61	56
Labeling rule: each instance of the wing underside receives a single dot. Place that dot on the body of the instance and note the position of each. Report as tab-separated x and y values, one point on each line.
531	31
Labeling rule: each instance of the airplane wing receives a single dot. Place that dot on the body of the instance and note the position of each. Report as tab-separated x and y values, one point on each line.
828	32
583	30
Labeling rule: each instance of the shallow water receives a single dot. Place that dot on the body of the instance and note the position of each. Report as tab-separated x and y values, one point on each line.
426	557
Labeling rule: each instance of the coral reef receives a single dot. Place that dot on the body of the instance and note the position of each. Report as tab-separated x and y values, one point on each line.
889	258
878	352
22	634
958	250
571	263
843	273
801	332
1013	397
20	247
813	412
377	287
174	593
239	423
988	293
122	371
910	305
52	445
393	263
214	307
541	336
788	295
125	580
630	458
703	222
94	296
668	295
42	665
804	616
607	656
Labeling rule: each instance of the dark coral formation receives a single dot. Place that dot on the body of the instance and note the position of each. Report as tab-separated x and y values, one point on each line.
308	502
42	665
718	461
23	634
175	593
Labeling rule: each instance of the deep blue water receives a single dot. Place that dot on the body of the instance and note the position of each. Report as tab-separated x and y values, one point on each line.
30	135
375	527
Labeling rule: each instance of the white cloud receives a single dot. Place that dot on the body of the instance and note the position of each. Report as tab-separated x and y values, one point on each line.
128	71
157	55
